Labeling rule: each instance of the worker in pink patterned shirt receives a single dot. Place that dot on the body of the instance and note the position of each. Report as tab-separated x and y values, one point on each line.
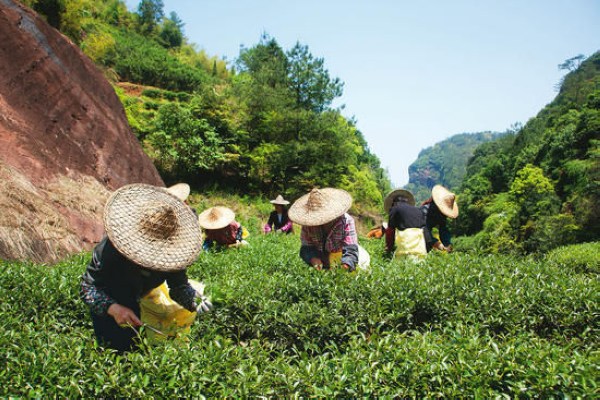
328	234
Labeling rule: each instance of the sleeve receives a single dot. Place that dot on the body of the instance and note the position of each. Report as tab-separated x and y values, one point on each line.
96	299
350	246
309	252
287	227
207	244
269	225
91	291
350	255
350	236
445	235
429	238
390	238
181	291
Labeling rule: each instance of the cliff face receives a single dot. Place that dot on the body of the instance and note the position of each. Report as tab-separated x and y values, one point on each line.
64	142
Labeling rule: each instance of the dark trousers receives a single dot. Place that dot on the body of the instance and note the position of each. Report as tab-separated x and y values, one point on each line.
110	335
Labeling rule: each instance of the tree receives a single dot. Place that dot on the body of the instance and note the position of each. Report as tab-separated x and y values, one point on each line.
52	10
184	145
263	87
150	13
534	196
572	63
310	82
171	34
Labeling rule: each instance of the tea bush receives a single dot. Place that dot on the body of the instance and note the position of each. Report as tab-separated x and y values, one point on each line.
454	325
584	257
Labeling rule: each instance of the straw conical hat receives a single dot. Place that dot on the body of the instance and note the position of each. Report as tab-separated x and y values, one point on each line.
389	200
152	227
216	217
180	190
445	200
320	206
280	200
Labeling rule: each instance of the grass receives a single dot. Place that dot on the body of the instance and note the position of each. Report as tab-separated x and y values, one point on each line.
456	325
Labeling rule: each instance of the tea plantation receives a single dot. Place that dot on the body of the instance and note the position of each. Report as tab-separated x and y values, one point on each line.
457	325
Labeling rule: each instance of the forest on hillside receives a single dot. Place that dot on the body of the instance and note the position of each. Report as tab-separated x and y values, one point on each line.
540	188
445	163
263	125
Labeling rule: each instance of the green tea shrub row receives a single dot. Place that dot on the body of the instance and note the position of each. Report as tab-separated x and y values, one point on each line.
452	326
584	257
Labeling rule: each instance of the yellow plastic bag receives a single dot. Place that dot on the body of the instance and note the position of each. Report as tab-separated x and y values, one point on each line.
245	232
411	242
162	313
364	259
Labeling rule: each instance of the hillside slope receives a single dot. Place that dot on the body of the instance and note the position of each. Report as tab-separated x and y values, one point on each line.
541	189
445	163
64	142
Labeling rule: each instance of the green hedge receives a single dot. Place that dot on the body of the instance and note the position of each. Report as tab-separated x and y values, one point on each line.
139	60
456	325
584	257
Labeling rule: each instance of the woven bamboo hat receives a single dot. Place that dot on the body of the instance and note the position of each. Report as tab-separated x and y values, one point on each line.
389	200
445	200
180	190
216	217
320	206
280	200
152	227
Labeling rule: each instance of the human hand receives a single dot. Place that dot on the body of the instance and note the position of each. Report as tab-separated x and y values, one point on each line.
123	316
449	248
348	268
439	246
202	304
317	263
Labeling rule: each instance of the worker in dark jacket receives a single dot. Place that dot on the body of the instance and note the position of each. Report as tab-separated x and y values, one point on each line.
278	219
437	209
405	232
152	237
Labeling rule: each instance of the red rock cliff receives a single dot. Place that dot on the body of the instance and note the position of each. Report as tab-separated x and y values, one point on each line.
64	142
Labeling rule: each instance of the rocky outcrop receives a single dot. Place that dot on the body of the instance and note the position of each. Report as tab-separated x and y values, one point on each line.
64	142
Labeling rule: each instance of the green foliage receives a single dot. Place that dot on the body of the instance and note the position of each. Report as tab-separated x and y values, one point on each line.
550	168
183	144
141	61
309	80
266	128
51	9
99	45
445	163
150	13
171	31
552	231
456	325
500	232
582	257
533	193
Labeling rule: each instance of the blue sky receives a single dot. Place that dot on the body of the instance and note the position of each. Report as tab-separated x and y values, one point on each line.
414	72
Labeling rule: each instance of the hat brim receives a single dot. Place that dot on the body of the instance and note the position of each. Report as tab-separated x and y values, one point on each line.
225	217
389	199
335	203
180	190
438	193
124	214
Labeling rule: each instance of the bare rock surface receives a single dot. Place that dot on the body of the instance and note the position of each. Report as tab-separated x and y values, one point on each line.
64	142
